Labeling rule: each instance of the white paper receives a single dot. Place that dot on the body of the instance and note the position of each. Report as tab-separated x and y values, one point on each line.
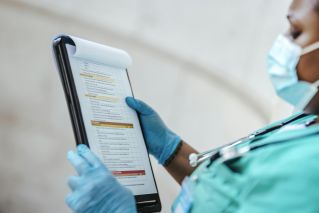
113	129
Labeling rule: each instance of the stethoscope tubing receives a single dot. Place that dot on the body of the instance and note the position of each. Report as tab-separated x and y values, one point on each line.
197	158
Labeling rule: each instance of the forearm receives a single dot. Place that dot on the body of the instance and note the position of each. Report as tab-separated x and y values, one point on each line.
179	167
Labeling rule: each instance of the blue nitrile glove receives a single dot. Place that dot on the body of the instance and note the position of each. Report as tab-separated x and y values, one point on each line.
95	190
161	141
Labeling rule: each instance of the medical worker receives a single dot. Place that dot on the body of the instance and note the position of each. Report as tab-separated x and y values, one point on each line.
274	169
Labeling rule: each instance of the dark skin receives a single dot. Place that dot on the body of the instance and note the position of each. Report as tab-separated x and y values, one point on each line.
179	168
303	17
304	30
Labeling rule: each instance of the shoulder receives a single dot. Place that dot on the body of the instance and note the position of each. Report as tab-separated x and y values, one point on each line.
285	176
298	154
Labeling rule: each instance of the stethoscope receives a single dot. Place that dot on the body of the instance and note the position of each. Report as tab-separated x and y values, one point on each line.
233	150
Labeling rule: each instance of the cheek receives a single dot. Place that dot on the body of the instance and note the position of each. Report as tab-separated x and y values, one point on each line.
308	67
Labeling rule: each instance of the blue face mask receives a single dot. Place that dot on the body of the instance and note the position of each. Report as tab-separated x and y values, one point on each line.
282	62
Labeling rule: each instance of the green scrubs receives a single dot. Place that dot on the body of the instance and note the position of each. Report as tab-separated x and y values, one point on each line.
276	178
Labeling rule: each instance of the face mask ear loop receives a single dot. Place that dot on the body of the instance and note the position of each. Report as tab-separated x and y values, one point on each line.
300	108
316	84
310	48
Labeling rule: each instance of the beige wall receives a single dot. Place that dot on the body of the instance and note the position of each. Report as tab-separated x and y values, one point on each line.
199	63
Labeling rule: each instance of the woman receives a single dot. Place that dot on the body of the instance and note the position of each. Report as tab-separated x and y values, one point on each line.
276	169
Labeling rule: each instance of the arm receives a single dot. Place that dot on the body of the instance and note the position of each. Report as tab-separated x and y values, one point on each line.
179	167
162	143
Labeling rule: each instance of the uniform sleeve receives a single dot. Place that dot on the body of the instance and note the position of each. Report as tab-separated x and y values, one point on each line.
287	180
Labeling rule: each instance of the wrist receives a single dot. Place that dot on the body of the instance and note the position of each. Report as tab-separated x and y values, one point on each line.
169	149
174	154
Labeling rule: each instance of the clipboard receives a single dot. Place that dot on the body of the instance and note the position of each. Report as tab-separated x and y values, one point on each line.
95	81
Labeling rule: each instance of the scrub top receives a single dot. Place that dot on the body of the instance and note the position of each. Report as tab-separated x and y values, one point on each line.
282	177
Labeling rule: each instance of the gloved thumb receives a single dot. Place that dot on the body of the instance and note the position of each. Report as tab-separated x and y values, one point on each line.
139	106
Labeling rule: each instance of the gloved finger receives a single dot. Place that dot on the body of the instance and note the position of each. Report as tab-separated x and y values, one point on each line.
74	201
79	201
70	201
74	182
87	154
80	164
139	106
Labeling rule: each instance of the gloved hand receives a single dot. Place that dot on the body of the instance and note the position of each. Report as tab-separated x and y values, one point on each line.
161	142
95	190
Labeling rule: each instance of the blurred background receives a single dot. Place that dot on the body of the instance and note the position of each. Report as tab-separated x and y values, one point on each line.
200	64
